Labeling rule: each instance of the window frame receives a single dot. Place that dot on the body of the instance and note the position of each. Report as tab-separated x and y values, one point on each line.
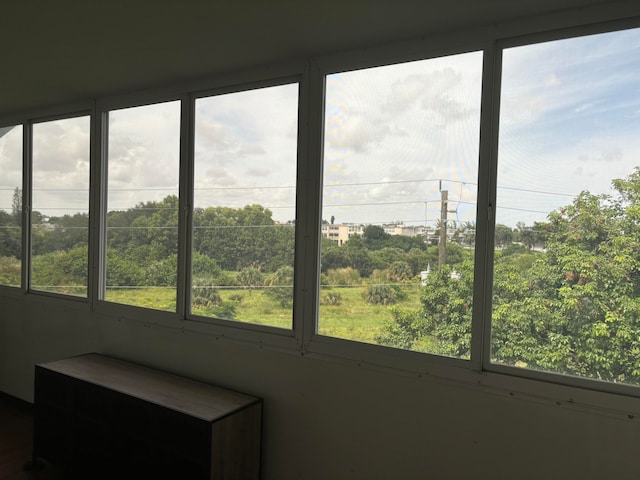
494	121
303	338
100	304
52	116
12	289
250	331
394	358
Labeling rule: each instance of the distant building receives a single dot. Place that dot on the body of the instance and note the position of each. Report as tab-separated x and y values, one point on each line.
341	232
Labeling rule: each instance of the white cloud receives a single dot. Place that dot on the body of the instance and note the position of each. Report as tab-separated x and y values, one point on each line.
392	132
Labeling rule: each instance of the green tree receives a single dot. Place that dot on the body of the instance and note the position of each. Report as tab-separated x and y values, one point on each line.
251	277
399	272
503	235
16	206
574	308
280	286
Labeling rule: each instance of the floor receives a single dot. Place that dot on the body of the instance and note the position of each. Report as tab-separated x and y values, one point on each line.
16	431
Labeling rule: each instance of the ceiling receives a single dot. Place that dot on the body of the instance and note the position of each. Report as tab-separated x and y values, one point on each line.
68	50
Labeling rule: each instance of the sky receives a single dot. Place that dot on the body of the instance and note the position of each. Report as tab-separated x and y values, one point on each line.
395	136
570	121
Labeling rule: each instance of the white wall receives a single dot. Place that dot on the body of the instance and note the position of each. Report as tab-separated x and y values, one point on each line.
333	420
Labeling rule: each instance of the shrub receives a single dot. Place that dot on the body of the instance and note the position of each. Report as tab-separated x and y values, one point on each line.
250	277
236	297
225	310
399	272
204	294
204	265
10	271
281	286
380	294
343	276
331	298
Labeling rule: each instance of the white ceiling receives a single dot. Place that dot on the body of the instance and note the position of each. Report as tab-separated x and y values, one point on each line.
59	51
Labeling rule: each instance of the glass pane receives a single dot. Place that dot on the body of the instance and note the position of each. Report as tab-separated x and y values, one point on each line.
60	206
11	206
399	204
567	270
142	206
245	191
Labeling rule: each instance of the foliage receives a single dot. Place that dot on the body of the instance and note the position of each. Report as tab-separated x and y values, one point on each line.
343	276
566	292
381	294
60	271
250	277
10	271
403	331
331	298
204	293
280	286
399	271
573	308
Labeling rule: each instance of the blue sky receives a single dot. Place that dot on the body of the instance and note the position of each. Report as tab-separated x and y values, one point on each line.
570	121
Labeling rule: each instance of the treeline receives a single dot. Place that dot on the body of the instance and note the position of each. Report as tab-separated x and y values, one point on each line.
142	244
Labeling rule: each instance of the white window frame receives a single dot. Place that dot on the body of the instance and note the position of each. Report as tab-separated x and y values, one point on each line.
249	331
100	191
76	111
303	339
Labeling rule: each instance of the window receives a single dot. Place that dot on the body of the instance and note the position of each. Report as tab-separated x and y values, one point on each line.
11	206
244	198
547	286
567	239
143	164
399	204
60	206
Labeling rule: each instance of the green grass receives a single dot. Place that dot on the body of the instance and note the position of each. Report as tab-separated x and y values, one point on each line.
157	298
353	318
356	319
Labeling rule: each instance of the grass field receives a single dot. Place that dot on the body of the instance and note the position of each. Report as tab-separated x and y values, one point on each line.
353	318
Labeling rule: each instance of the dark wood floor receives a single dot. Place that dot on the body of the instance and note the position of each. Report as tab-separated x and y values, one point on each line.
16	430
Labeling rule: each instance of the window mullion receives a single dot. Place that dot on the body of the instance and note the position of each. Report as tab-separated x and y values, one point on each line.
481	320
27	151
185	203
310	189
99	184
96	210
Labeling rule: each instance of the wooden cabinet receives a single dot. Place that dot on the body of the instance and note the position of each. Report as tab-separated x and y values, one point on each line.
100	417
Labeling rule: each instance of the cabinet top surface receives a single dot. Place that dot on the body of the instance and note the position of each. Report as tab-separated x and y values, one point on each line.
194	398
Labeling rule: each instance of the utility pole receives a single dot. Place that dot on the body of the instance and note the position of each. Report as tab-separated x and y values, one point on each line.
442	243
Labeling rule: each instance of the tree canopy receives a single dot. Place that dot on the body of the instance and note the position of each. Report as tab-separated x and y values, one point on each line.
573	308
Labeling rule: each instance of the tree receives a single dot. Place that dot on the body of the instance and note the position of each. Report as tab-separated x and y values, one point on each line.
280	286
399	271
16	206
503	235
251	277
374	237
573	309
